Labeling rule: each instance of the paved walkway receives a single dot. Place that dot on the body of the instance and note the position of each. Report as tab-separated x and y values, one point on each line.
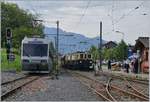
138	76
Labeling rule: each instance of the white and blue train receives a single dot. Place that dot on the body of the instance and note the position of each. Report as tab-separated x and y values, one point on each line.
36	55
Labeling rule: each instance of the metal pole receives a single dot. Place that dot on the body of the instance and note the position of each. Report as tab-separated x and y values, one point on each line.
57	47
100	50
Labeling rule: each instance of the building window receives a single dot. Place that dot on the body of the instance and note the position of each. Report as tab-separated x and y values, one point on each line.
81	56
89	56
146	56
85	56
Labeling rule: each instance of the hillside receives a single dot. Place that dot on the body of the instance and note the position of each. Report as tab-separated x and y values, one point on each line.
73	42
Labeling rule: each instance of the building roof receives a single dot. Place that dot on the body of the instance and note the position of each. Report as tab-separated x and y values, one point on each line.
144	41
110	44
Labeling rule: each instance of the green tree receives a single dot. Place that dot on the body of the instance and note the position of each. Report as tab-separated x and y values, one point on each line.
117	53
20	21
122	50
108	53
95	53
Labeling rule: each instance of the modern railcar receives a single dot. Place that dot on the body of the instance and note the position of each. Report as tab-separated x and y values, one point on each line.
36	55
78	60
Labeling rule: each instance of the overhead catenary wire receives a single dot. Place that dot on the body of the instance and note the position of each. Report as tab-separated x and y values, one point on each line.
83	14
125	15
112	12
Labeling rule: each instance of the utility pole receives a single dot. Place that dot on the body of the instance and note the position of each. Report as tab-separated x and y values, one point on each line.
100	47
57	46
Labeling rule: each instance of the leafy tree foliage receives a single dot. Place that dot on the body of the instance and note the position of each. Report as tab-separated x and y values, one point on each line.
20	21
121	51
118	53
95	53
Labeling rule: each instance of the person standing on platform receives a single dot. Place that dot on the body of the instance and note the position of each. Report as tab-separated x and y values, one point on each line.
109	65
136	66
127	66
96	68
132	66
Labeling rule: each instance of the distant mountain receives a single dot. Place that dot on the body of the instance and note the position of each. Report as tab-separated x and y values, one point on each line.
71	42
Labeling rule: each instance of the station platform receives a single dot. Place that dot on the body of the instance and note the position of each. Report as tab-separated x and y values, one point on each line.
141	76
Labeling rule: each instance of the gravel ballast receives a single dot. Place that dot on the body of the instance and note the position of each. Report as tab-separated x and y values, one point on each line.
66	88
10	75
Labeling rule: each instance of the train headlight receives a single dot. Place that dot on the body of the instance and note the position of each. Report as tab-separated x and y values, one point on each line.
80	61
90	61
43	61
25	61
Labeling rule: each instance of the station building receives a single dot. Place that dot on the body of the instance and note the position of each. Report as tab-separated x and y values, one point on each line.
142	47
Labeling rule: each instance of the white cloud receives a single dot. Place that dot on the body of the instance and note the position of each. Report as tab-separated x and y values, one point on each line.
69	13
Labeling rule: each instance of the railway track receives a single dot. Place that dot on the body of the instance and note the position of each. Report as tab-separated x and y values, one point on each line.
10	87
139	81
122	90
93	85
10	81
139	87
108	91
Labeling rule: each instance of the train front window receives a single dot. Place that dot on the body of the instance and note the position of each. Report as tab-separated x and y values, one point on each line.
81	56
89	56
35	49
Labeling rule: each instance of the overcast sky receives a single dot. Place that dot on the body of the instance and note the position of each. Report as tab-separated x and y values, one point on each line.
129	17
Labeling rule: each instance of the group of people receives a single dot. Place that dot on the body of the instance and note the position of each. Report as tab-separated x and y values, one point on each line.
128	64
132	64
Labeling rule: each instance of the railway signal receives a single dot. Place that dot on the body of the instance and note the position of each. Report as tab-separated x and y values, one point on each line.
10	55
8	33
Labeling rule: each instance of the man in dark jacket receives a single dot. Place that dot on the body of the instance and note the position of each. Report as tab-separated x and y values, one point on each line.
136	66
109	65
127	66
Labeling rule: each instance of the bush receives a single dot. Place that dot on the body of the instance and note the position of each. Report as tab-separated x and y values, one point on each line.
15	65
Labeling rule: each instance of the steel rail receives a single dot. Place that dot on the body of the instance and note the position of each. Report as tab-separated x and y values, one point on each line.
10	81
89	86
8	93
140	95
138	92
93	89
132	87
142	81
129	93
108	92
114	87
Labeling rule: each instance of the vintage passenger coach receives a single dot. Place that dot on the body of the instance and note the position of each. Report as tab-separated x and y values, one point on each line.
78	60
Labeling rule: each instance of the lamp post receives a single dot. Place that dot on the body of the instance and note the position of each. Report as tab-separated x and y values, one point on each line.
123	40
121	33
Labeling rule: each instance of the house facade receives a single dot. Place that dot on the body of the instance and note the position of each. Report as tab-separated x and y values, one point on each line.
142	46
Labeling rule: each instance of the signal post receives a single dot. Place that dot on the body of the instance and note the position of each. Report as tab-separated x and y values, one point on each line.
10	55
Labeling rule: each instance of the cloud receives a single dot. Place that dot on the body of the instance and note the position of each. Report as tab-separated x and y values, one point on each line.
129	20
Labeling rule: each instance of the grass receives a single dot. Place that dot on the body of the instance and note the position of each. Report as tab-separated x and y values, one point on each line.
14	65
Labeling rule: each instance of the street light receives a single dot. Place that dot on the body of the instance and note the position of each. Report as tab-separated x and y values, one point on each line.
121	33
123	40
